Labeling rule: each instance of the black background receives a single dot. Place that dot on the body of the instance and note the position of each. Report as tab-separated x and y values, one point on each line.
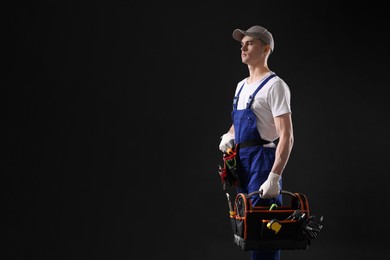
115	110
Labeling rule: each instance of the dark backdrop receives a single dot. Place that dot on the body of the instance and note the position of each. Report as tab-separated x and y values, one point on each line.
115	110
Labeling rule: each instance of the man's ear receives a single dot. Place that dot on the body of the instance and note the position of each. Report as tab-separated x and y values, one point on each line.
267	48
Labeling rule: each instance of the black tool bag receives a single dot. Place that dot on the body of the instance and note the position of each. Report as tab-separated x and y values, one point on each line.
276	227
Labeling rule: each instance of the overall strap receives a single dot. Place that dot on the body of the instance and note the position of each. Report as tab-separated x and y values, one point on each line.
250	100
235	100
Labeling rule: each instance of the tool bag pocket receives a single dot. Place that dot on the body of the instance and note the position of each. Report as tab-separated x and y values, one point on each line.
285	230
237	226
259	227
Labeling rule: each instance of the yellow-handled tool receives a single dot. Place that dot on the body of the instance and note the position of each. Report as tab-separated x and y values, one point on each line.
274	225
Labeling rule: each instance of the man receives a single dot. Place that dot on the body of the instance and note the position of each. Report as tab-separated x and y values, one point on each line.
262	130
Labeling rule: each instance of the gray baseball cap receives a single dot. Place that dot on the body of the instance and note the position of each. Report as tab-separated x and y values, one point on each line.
257	32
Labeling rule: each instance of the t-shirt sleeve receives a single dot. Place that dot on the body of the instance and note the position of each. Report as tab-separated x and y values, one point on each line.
279	98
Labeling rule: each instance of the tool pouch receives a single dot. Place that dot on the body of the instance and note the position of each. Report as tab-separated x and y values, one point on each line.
281	227
229	173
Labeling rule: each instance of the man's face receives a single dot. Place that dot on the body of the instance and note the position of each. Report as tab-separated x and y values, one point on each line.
252	50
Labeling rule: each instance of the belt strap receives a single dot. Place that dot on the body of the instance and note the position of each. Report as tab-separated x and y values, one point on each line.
253	143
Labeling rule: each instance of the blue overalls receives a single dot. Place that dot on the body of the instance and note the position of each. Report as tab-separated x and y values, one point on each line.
256	160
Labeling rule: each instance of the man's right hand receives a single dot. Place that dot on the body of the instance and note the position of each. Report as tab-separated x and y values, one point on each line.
271	187
227	141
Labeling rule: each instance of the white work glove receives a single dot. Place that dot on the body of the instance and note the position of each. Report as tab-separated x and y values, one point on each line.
271	187
227	141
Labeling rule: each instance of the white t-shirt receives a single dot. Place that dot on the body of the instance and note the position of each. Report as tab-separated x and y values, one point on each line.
271	101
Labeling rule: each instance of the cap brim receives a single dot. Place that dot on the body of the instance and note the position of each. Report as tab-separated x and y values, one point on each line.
238	34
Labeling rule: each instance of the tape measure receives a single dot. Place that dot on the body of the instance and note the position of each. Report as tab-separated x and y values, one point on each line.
274	225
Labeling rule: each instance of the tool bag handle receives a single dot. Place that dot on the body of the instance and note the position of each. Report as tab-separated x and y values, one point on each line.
299	200
281	192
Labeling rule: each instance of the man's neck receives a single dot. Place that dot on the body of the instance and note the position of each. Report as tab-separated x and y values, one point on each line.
256	73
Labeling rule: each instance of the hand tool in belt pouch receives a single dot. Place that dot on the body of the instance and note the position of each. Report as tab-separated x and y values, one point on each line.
229	171
284	227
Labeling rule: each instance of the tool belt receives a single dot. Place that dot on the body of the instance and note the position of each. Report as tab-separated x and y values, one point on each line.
274	227
253	143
